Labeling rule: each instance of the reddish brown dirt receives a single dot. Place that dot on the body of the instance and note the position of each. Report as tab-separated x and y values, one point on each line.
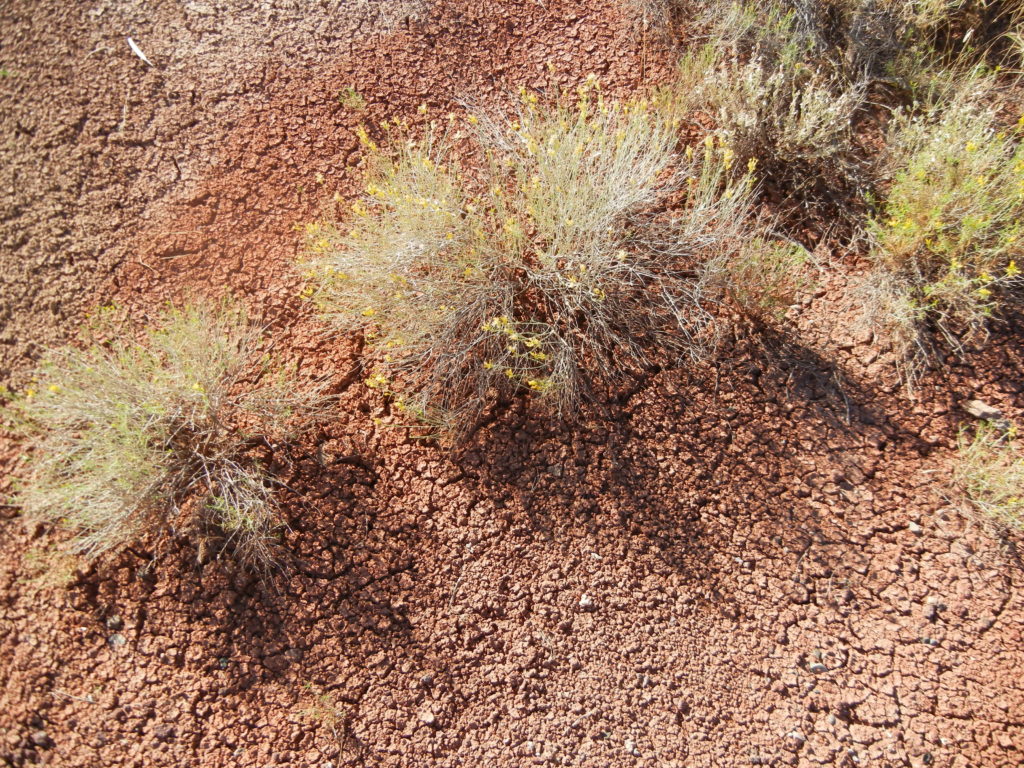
748	563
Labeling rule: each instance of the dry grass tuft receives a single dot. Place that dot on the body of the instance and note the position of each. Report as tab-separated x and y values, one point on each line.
772	102
325	709
45	568
765	279
129	439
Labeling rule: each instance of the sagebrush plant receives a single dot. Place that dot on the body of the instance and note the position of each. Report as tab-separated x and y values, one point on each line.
772	103
128	438
946	240
576	251
990	471
866	37
854	38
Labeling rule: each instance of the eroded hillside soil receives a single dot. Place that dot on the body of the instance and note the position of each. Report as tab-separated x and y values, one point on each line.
753	562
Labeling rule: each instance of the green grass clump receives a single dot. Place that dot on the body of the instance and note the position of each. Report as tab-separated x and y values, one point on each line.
574	253
167	434
325	709
46	568
946	241
765	279
350	98
990	471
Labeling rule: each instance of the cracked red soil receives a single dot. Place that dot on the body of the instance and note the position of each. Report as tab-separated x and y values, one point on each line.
750	562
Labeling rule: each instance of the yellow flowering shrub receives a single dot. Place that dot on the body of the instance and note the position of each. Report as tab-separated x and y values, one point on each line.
555	265
949	236
990	472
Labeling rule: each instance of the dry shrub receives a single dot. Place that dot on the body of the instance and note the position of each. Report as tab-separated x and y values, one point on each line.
990	472
128	439
865	36
576	252
772	103
652	13
959	30
900	40
945	243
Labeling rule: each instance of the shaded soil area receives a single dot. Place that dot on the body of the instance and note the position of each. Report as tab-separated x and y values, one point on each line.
750	562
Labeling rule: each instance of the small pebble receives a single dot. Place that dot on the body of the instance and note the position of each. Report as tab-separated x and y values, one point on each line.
41	739
427	718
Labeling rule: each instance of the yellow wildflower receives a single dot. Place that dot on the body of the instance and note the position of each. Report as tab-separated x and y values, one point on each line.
727	157
364	138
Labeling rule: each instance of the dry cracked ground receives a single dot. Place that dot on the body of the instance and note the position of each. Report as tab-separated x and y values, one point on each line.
753	562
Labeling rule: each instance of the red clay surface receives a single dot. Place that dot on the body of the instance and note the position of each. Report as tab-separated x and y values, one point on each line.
748	563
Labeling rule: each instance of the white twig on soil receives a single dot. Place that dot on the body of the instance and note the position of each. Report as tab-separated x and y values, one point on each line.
458	581
124	111
86	699
138	51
